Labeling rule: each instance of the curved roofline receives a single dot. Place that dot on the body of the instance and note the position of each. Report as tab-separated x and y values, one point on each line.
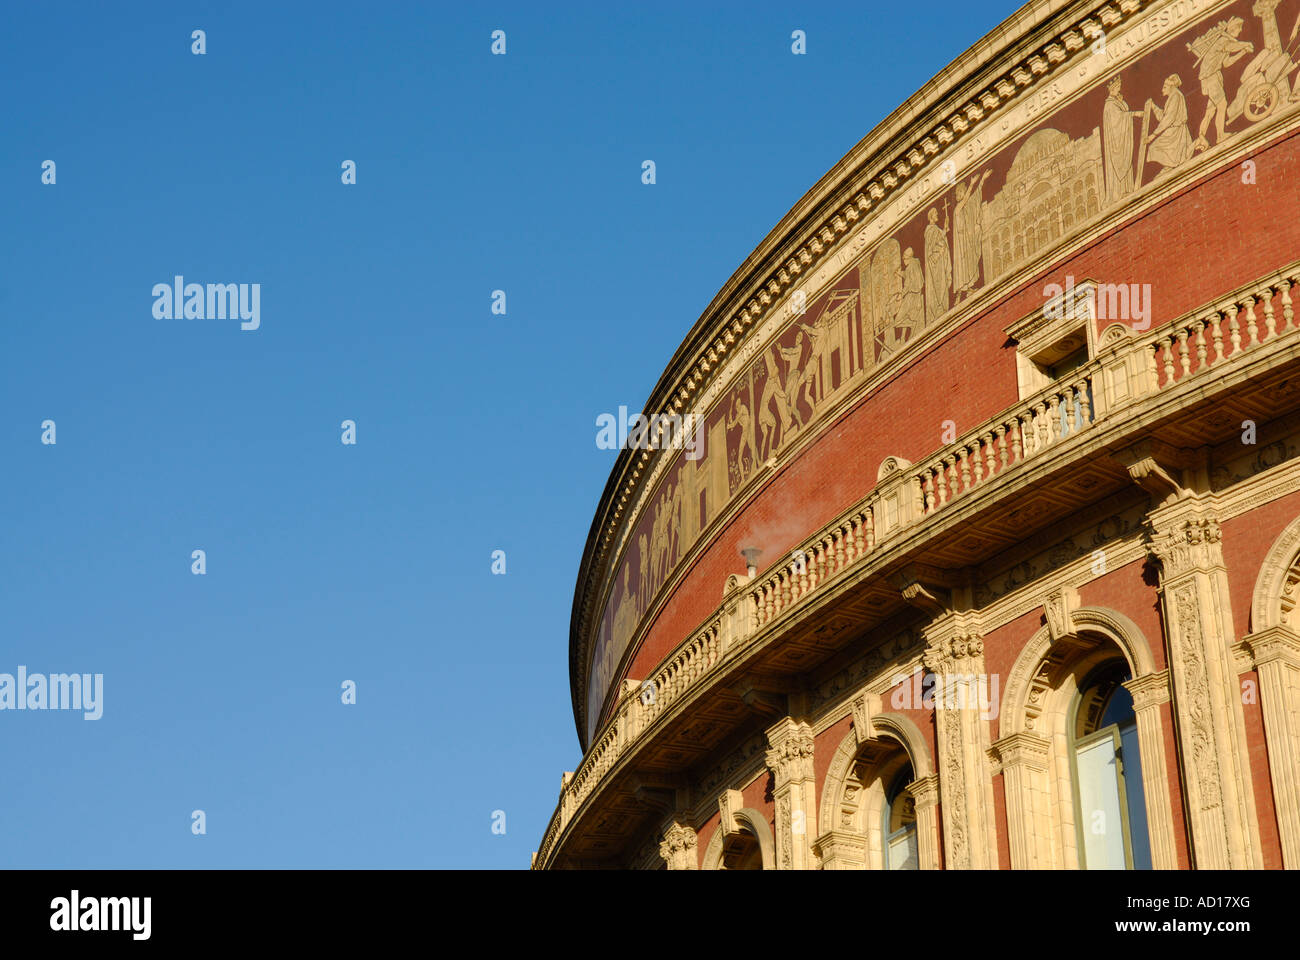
956	84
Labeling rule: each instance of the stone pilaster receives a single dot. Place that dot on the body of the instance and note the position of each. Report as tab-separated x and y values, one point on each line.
966	787
678	847
1150	694
1029	818
790	758
1277	659
1184	537
925	791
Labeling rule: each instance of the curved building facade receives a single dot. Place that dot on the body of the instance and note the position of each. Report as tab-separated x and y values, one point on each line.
987	553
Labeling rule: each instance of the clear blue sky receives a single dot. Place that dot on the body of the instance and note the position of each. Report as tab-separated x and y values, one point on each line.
475	432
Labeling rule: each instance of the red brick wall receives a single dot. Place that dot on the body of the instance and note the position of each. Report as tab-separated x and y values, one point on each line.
1208	239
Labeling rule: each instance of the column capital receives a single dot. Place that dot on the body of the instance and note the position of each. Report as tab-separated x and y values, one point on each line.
1278	644
1022	748
925	791
1182	545
841	850
678	847
1149	691
960	653
790	753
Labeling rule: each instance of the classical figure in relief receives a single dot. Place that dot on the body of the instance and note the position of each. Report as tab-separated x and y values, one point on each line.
674	526
938	266
1171	143
812	368
766	418
644	587
1215	49
626	613
1117	127
772	393
740	417
793	381
966	235
909	313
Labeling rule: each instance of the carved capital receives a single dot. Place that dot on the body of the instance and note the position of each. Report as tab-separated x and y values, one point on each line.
1278	644
841	850
1149	691
925	791
1028	749
790	756
678	847
1183	544
963	653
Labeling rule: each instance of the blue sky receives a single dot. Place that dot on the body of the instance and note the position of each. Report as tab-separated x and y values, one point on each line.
475	432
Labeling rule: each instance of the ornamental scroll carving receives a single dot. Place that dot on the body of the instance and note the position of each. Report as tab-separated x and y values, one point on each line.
1204	745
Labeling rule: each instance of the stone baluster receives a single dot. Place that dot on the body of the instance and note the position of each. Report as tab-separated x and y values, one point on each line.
1234	329
1198	327
1001	432
1217	335
1251	326
1184	360
1270	322
1288	314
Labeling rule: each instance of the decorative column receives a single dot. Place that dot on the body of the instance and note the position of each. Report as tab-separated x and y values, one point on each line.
1277	658
925	792
1150	694
790	758
678	847
1024	778
1184	537
966	787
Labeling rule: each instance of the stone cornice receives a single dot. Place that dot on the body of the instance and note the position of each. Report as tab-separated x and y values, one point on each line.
1032	46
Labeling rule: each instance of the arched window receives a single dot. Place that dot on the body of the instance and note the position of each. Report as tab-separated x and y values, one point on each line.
1107	773
899	828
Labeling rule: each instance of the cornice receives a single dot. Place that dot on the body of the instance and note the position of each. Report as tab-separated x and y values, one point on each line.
1033	45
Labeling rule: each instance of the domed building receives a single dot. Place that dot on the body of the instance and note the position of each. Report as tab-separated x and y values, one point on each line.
988	555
